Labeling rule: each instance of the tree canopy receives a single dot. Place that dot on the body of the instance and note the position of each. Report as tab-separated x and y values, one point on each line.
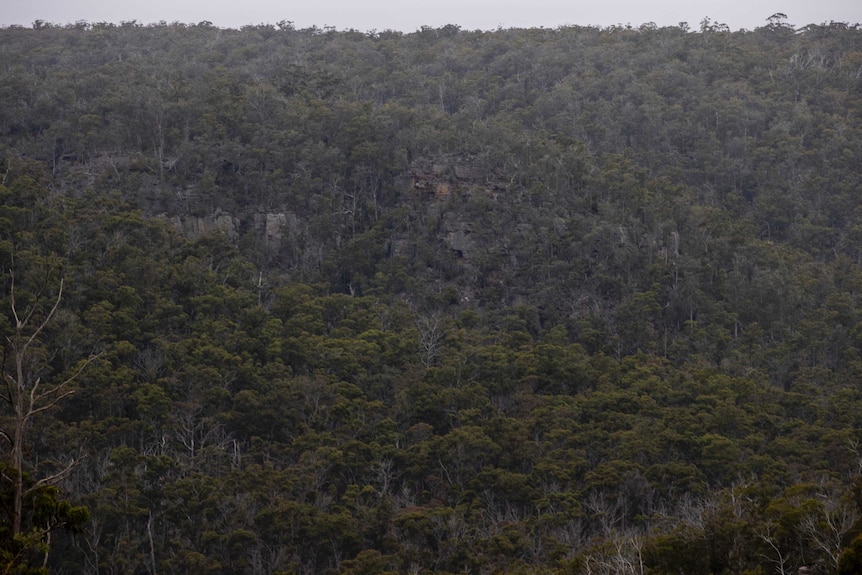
573	300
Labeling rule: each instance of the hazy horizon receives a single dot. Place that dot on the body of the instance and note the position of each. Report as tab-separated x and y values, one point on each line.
469	14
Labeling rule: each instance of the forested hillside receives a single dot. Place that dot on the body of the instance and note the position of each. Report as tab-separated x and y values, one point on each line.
566	301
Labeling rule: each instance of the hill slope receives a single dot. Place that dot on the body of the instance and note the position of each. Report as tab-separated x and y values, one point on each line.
572	300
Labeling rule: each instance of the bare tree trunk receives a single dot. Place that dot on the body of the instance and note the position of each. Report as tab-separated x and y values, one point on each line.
152	545
29	397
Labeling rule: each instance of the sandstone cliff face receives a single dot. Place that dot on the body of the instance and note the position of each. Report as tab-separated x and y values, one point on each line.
438	180
458	236
194	227
273	227
440	177
195	210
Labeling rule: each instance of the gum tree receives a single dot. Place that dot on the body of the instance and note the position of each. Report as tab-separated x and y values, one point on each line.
33	505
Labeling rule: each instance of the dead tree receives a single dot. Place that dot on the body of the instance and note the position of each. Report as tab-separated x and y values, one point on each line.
27	396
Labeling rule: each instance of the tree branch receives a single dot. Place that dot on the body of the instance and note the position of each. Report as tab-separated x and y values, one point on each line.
8	380
44	322
33	411
34	398
54	478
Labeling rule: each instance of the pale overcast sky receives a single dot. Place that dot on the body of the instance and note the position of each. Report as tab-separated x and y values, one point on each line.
408	16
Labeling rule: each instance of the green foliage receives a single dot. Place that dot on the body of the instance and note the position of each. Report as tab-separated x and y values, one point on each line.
440	302
45	512
851	559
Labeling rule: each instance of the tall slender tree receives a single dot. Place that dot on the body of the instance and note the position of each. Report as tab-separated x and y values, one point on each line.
35	506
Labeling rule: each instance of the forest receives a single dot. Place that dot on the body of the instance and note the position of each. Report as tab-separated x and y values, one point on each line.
581	301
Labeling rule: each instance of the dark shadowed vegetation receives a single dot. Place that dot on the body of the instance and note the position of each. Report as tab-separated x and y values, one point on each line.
558	301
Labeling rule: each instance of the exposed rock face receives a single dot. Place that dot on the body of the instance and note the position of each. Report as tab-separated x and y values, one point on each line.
458	237
438	178
274	225
271	227
226	222
195	227
469	172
